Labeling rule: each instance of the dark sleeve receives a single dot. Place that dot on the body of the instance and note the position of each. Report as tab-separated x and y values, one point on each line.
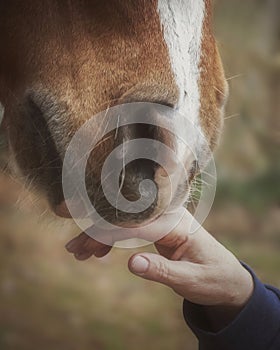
256	327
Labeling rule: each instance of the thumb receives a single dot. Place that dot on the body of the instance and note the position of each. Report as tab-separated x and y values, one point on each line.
157	268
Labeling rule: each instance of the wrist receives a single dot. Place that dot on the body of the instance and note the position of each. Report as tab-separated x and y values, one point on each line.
221	315
241	290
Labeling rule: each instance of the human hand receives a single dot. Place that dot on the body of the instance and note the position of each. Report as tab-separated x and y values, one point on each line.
196	266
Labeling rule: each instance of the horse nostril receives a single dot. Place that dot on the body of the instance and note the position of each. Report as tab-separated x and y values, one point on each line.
132	198
133	176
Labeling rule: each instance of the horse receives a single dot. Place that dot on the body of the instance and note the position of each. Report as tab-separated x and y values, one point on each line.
63	61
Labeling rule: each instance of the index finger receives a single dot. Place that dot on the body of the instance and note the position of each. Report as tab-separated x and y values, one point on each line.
152	232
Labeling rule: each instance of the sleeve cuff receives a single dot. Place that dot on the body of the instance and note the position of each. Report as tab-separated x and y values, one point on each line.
256	327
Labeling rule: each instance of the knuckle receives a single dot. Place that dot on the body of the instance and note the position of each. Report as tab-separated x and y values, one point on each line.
163	271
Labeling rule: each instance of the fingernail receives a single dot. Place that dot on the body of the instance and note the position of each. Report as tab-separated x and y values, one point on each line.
70	245
83	256
139	265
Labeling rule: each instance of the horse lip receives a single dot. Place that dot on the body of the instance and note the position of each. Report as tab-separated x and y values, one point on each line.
62	210
142	224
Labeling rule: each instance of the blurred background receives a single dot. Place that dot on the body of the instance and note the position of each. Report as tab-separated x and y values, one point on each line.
48	300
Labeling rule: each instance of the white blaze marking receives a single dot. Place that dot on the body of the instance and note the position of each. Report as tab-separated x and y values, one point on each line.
182	22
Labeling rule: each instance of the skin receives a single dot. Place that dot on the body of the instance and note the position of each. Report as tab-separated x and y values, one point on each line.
197	267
